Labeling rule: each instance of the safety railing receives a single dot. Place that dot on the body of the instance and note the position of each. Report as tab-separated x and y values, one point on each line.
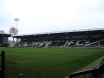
96	72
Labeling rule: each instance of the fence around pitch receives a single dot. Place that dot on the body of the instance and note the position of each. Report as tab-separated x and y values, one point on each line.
2	65
96	72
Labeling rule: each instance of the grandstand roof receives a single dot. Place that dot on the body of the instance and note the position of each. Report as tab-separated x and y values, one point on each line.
71	32
5	35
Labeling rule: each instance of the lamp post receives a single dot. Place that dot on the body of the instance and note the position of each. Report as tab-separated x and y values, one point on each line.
16	19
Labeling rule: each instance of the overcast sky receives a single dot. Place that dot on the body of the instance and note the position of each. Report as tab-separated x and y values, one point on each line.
37	16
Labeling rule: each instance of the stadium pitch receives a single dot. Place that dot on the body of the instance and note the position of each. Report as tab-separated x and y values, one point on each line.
47	62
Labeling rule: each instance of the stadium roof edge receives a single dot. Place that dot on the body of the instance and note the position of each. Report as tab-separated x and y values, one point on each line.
92	29
6	35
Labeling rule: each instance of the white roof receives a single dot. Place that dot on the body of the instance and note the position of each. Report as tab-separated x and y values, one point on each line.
92	29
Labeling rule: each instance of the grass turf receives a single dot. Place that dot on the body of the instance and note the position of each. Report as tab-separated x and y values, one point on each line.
47	62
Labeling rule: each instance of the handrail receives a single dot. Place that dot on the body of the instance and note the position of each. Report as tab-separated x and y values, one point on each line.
93	71
81	73
100	64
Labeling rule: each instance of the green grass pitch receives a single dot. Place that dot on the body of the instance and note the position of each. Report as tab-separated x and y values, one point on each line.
47	62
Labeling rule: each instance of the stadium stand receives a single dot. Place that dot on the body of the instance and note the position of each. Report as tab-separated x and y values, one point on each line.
102	43
61	43
53	43
4	40
71	39
80	43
